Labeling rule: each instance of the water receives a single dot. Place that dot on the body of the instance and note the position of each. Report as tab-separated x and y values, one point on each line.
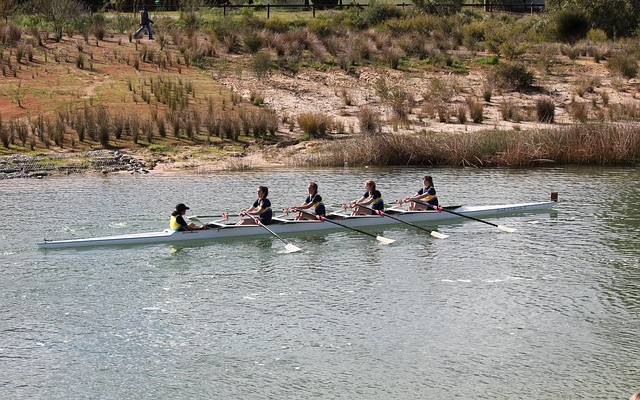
550	311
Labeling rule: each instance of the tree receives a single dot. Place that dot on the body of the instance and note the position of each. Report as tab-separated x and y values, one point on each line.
616	17
58	13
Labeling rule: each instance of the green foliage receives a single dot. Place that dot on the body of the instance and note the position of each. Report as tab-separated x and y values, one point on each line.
489	60
513	76
597	35
422	24
261	63
439	7
252	42
378	12
572	25
624	65
277	25
615	17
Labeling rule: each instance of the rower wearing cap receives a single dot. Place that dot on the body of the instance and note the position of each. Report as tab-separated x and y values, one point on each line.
178	223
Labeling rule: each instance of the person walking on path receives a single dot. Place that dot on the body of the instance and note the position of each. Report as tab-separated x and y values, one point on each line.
145	23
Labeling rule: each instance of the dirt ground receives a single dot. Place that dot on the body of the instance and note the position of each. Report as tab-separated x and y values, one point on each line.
41	85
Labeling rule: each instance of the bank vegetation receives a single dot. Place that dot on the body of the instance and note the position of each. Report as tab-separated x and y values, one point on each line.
74	81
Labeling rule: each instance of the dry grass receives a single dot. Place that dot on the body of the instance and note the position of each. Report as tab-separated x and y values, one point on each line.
596	144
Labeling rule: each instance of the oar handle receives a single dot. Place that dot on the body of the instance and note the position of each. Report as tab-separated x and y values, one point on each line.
223	215
382	213
439	208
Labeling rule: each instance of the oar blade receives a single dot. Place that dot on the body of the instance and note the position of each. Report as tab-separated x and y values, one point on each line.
194	218
291	248
439	235
506	228
384	240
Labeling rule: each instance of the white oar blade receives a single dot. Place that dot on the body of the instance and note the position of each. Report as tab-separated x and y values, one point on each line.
439	235
384	240
506	228
194	219
291	248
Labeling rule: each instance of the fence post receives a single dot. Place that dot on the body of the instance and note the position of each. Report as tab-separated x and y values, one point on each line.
268	10
224	10
313	9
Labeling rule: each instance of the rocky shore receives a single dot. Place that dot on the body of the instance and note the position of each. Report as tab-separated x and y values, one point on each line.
40	166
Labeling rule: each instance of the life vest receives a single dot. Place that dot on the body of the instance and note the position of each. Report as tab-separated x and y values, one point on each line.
174	225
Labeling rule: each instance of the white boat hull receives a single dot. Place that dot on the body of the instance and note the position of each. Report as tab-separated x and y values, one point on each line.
284	227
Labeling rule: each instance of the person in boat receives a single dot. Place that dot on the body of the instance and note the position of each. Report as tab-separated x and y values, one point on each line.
313	200
178	223
372	198
260	209
426	194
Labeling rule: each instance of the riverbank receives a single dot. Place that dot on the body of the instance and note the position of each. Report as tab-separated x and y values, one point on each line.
303	98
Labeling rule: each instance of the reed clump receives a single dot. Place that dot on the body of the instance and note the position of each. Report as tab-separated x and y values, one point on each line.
584	144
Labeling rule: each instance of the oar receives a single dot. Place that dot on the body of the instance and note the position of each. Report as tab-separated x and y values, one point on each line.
438	208
195	217
432	233
291	248
381	239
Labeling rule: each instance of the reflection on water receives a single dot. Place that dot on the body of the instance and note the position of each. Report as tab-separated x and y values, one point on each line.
547	312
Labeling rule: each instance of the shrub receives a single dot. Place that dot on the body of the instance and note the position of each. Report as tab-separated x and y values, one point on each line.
579	111
320	27
98	25
277	25
462	114
513	76
571	25
597	35
392	56
314	124
487	90
545	110
624	65
252	42
261	63
4	135
507	110
378	12
369	120
439	7
476	109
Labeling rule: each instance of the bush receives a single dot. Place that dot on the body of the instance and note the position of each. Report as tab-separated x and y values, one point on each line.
252	42
439	7
513	76
314	124
571	25
545	110
378	12
624	65
261	63
597	35
476	109
579	111
369	121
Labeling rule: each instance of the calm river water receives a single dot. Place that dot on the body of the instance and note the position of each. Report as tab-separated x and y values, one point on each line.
551	311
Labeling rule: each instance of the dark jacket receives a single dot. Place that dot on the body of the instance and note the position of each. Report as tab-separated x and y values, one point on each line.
144	18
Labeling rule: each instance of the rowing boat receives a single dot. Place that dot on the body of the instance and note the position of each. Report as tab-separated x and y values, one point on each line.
284	225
